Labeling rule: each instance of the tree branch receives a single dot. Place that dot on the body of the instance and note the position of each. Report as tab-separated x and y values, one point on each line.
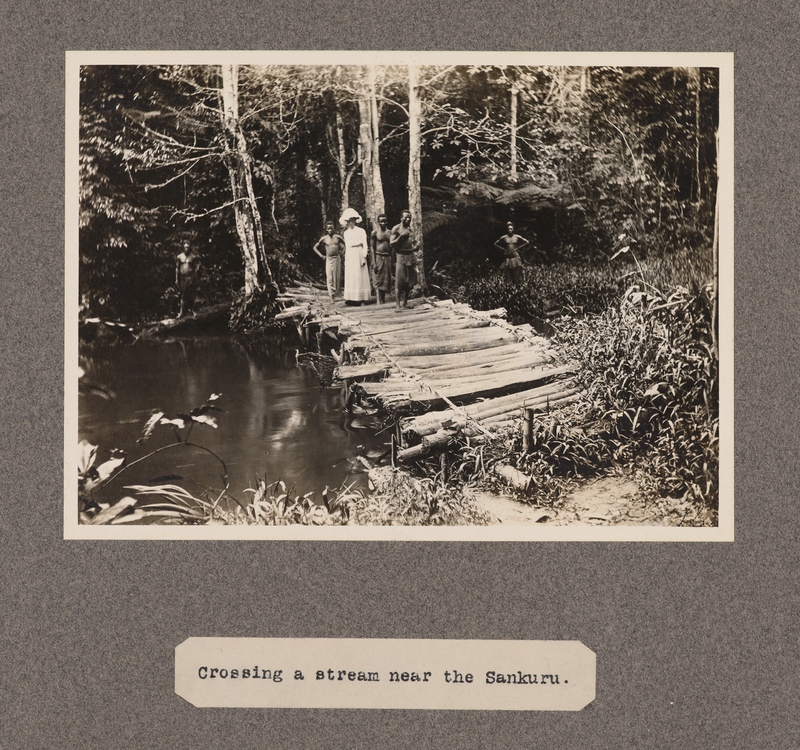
437	75
192	217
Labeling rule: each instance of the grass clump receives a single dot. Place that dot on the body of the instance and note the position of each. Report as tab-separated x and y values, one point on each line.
579	288
401	499
649	369
647	363
398	499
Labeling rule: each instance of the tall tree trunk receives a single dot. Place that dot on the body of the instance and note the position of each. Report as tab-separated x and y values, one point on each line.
341	162
378	201
239	164
369	142
694	79
414	177
514	92
365	154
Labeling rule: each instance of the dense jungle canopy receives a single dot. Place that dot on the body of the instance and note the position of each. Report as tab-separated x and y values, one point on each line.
247	163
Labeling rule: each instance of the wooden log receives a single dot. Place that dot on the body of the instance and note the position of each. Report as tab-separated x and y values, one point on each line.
558	399
523	358
417	301
472	386
305	296
442	438
404	398
486	406
515	361
438	330
432	421
426	326
498	312
514	477
394	384
486	381
390	315
351	372
529	395
400	322
421	363
305	289
429	445
204	317
451	347
429	423
298	311
527	430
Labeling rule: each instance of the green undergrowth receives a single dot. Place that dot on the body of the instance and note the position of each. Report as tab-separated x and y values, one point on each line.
577	288
648	367
397	499
643	336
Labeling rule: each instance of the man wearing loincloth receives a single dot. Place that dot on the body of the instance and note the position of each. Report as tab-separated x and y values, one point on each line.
187	266
405	271
511	244
334	249
381	259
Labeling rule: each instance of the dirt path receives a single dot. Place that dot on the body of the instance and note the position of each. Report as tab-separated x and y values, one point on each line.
601	502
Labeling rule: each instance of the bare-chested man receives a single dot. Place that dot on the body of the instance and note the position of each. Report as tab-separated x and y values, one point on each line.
381	259
511	244
405	271
187	266
334	248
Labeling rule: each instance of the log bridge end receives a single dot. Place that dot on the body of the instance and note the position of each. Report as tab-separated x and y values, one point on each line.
459	371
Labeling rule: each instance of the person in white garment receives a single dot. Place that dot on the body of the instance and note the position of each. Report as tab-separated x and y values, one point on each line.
356	249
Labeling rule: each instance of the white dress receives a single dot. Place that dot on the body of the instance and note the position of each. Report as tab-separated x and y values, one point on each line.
356	273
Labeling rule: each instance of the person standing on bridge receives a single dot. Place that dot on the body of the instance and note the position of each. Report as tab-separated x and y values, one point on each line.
405	272
187	266
511	244
381	259
356	249
334	249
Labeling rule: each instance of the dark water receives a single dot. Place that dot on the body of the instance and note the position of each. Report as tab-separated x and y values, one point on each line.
276	423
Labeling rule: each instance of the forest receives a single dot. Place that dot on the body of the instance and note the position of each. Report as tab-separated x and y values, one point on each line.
609	172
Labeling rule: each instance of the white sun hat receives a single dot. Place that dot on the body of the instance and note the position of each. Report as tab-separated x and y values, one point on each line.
350	213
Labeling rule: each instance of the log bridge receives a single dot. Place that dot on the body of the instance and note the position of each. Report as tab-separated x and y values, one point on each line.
441	367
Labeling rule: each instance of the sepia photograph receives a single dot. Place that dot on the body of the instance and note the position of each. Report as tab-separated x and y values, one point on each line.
408	296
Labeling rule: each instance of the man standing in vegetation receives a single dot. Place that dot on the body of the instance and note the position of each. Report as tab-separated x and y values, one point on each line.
511	244
381	259
334	249
187	266
400	242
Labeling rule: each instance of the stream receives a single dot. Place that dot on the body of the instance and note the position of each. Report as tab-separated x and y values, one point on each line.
276	421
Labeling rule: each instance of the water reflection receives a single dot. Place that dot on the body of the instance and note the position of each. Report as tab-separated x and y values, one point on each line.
277	422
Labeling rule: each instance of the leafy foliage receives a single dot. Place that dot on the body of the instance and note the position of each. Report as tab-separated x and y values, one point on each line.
403	500
650	373
598	151
178	502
